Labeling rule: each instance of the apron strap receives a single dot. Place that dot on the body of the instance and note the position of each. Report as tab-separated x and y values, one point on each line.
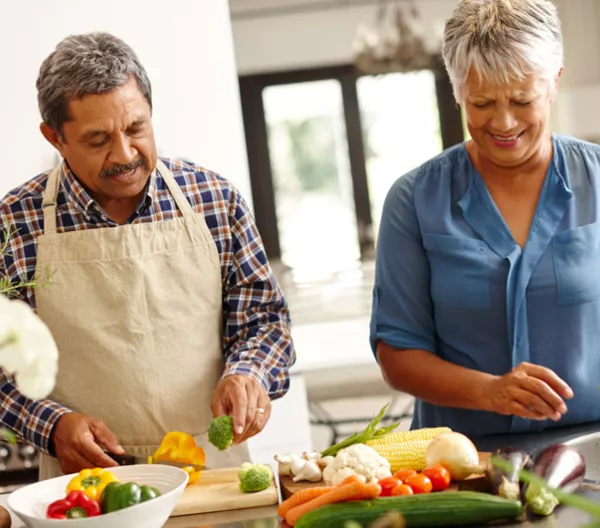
179	197
49	201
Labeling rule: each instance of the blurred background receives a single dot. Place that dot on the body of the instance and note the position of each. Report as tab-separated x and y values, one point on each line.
313	108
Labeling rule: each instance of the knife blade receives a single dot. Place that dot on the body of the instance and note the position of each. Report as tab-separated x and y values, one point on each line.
129	460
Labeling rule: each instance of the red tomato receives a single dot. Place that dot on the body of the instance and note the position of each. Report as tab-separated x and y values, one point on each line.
419	483
439	476
401	489
402	474
387	484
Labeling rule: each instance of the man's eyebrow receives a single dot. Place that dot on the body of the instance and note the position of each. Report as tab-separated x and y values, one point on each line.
91	134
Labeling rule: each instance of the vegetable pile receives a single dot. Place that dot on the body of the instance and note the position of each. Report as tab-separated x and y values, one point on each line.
95	492
378	477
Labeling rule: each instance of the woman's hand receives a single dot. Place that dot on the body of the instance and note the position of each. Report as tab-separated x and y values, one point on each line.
529	391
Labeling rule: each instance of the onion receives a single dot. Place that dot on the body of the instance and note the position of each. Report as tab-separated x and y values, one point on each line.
456	453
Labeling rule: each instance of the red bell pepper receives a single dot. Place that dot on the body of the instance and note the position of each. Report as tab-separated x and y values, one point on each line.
76	505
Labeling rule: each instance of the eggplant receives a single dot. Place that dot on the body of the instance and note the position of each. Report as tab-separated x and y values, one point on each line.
561	467
506	483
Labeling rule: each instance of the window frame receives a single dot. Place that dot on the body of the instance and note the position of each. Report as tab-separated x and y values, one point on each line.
259	163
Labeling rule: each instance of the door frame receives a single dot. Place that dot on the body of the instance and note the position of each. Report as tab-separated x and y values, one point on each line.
259	161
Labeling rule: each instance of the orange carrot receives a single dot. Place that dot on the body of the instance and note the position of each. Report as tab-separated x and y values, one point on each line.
350	479
369	491
301	496
337	494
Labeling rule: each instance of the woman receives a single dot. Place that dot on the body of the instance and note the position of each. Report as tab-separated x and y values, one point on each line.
486	304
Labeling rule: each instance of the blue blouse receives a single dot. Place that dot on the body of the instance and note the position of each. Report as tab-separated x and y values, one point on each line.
450	279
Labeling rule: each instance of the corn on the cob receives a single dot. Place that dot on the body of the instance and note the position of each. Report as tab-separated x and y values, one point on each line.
406	449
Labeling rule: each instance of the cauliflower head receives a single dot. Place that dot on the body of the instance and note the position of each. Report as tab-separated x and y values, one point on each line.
357	459
254	477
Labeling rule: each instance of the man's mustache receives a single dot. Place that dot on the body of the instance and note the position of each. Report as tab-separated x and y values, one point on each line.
121	169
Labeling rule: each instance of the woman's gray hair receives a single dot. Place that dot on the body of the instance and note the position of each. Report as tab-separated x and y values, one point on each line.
503	41
92	63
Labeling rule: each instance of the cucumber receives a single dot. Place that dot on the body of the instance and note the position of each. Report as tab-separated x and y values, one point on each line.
425	510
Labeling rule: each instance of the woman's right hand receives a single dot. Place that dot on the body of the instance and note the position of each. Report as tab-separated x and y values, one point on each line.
529	391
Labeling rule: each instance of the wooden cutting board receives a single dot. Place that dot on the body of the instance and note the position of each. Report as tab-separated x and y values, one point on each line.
473	483
218	490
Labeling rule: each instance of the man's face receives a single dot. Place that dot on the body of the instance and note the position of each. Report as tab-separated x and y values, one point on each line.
109	142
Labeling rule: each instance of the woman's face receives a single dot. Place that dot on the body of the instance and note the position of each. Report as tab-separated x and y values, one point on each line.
508	123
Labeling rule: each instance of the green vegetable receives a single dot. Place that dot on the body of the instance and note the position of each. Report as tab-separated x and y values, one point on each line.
363	437
541	500
254	477
569	499
220	432
426	510
117	496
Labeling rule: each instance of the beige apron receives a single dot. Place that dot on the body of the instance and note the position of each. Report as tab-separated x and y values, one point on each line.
136	314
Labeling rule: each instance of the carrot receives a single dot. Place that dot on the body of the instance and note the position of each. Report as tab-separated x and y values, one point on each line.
369	491
300	497
337	494
350	479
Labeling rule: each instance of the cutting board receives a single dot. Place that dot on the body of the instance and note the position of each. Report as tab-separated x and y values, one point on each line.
218	490
472	483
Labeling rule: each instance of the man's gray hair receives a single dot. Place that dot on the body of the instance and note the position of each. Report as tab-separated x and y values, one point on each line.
503	41
92	63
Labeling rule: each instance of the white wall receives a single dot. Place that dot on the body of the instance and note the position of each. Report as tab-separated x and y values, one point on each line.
313	38
324	37
187	48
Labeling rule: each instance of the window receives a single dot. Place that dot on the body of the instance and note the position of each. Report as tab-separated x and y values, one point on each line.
324	147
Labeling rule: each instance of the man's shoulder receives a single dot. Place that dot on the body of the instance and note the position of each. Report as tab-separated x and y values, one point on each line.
188	173
26	197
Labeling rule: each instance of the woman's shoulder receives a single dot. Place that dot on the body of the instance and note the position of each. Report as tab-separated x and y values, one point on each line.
430	172
573	146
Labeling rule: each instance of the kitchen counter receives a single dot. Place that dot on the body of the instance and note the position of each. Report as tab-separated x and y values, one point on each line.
267	517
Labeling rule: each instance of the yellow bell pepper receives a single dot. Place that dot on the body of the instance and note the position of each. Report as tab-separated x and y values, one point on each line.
92	482
194	476
181	447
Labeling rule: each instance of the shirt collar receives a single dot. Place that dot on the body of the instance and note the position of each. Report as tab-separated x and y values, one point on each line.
78	195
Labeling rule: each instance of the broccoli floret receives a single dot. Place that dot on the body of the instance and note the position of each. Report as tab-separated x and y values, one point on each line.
220	432
254	477
540	500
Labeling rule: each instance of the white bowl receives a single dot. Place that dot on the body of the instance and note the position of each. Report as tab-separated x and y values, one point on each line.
31	502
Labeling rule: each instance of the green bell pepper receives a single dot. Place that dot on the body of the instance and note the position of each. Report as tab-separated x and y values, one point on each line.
117	496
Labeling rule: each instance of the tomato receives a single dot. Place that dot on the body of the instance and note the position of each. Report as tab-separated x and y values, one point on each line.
419	483
387	484
401	489
402	474
439	476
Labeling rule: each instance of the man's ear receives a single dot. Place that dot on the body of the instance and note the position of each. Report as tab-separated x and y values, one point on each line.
53	137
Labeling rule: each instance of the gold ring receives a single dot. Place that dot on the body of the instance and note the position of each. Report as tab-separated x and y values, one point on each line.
261	410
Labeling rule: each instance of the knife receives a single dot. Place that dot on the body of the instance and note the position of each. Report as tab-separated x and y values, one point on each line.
128	460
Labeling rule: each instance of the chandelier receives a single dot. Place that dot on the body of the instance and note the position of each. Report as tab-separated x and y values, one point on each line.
395	42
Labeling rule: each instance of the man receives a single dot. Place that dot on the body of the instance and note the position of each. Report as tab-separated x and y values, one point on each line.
161	298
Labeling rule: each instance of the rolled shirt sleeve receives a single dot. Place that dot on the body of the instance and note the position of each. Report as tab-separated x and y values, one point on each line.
257	340
402	311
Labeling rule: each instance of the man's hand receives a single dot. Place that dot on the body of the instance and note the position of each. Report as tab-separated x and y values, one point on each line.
245	399
530	391
76	441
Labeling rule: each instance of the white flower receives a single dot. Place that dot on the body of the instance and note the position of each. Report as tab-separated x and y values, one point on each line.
27	349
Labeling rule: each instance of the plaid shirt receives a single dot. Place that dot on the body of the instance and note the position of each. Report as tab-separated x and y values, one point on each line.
256	336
